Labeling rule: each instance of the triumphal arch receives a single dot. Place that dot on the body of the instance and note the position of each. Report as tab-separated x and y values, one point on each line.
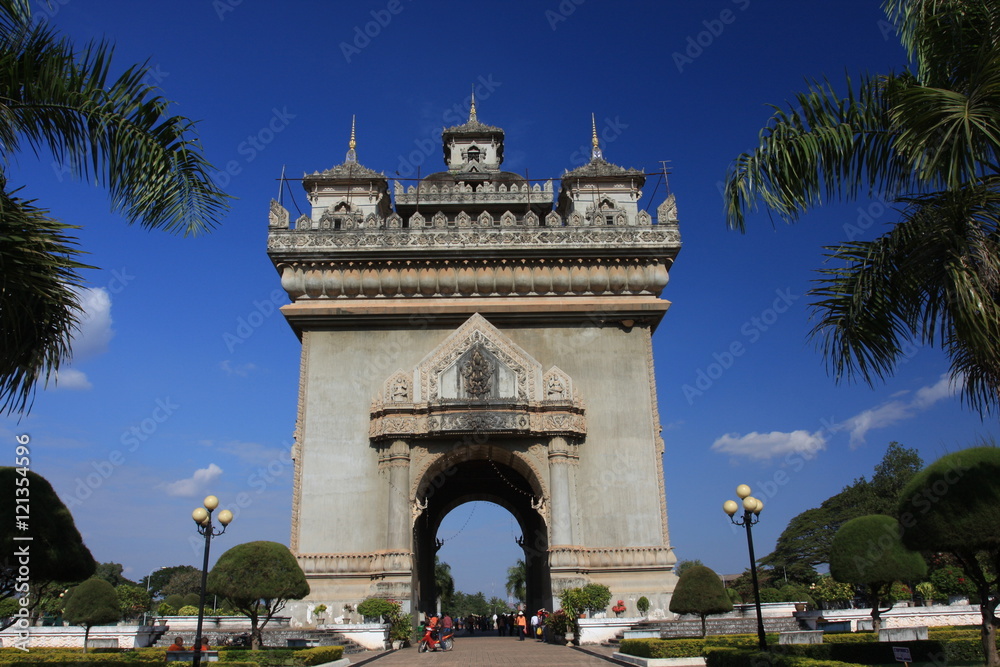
475	335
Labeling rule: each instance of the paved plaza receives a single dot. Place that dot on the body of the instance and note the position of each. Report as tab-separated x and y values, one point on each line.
485	651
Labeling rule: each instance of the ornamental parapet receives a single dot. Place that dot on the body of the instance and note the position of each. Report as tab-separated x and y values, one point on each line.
367	564
584	559
393	421
495	277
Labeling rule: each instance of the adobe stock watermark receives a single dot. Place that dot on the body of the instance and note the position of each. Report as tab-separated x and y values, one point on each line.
362	35
223	7
131	439
456	114
246	326
252	146
562	12
867	217
697	43
751	330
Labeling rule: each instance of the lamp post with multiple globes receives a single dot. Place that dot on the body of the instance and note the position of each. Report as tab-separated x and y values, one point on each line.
203	517
751	515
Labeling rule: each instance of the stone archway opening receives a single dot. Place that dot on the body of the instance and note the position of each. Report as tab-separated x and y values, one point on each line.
480	477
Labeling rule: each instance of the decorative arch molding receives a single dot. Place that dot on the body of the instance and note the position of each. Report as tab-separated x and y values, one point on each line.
477	381
529	465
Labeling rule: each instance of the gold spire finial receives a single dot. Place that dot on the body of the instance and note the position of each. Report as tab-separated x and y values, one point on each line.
352	156
595	153
472	107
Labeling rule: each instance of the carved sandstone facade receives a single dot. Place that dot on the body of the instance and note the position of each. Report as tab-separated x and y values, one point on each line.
477	336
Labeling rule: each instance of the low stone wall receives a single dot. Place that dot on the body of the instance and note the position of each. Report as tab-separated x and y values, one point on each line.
897	617
216	623
101	636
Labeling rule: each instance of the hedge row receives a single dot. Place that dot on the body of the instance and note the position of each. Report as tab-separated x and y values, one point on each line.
724	656
862	648
65	657
687	648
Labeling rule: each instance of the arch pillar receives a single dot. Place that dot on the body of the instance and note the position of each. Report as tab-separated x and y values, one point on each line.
562	456
396	460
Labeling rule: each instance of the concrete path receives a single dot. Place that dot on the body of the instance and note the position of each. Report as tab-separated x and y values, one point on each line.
486	651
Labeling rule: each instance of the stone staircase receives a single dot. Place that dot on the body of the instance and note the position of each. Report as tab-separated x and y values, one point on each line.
691	627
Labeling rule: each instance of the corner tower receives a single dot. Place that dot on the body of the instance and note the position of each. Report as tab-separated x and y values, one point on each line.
480	339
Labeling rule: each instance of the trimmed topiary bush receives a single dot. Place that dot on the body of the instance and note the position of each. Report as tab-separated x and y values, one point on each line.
700	591
642	605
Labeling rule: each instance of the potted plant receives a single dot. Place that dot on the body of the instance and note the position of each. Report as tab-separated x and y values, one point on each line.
927	592
400	630
320	611
642	605
561	627
619	608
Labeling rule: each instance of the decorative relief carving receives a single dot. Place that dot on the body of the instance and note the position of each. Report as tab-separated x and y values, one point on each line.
278	216
638	558
476	380
485	277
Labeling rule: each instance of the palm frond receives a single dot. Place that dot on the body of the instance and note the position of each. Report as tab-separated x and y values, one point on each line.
38	298
823	146
934	279
116	131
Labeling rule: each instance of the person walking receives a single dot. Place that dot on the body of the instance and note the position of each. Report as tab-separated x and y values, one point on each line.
522	626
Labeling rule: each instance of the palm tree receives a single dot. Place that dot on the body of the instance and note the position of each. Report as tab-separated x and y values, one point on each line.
443	582
928	137
517	577
114	131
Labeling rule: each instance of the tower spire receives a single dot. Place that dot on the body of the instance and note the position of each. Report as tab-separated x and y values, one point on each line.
595	153
351	155
472	107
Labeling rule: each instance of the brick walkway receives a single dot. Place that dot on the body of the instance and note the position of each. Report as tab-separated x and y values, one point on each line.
486	651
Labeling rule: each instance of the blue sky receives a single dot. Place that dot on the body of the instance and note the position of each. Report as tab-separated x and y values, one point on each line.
185	375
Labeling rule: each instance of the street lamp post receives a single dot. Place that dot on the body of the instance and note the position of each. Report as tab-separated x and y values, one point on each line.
203	517
751	515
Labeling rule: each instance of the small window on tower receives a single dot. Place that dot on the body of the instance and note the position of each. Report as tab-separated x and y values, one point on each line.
473	154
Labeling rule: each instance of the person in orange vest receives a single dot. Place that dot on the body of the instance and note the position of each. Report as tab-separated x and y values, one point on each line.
522	626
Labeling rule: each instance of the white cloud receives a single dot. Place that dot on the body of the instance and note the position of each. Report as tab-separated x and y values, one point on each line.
94	332
72	379
242	370
193	485
894	411
765	446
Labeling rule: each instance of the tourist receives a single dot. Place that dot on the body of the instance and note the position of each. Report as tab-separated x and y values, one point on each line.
522	624
447	625
534	625
178	645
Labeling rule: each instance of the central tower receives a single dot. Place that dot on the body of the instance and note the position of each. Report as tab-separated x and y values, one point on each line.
480	337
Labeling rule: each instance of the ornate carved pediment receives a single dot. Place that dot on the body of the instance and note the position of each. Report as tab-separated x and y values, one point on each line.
477	381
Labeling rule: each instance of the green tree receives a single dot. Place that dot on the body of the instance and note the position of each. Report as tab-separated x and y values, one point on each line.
517	577
94	602
114	131
444	583
805	542
829	592
258	578
113	573
683	565
157	580
183	582
57	553
953	505
133	601
868	551
929	137
596	597
497	606
700	592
